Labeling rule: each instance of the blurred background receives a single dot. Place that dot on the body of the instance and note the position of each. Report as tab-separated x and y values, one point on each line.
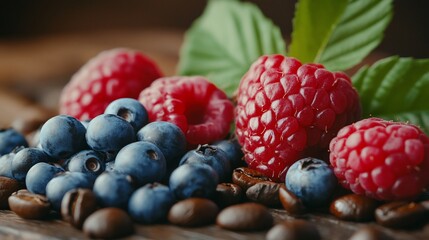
42	43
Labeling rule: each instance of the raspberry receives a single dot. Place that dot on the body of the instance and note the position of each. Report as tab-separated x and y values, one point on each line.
112	74
197	106
287	111
381	159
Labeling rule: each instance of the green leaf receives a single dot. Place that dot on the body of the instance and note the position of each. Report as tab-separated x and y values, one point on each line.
396	89
344	42
226	40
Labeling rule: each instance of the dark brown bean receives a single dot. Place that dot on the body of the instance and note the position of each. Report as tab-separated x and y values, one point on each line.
293	230
353	207
245	217
370	233
108	223
29	205
77	205
193	212
246	177
291	203
266	193
7	187
401	214
228	194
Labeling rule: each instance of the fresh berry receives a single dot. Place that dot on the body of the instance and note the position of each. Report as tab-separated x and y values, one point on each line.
39	175
25	159
197	106
10	139
112	74
151	203
62	136
312	180
287	111
382	159
129	109
109	133
113	189
87	161
233	151
6	162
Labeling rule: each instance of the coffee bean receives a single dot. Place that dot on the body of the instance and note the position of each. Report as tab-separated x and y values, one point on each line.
370	233
293	230
401	214
266	193
193	212
29	205
108	223
246	177
290	202
77	205
228	194
353	207
7	187
245	217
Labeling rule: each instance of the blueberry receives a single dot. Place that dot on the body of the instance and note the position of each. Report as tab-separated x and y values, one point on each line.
193	180
151	203
25	159
58	186
110	166
113	189
109	133
87	161
131	110
233	152
39	175
143	161
10	139
6	163
211	155
62	136
168	137
311	180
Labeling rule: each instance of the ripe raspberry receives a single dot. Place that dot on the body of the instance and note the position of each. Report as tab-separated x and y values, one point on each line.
197	106
112	74
381	159
287	111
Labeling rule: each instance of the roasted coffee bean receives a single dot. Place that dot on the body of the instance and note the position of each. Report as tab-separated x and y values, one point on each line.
290	202
370	233
246	177
193	212
7	187
245	217
108	223
353	207
293	230
77	205
266	193
401	214
228	194
29	205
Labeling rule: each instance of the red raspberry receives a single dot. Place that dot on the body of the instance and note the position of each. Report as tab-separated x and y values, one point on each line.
112	74
287	110
197	106
381	159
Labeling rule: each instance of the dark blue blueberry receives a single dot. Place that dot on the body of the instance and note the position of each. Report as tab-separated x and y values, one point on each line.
62	136
6	163
168	137
131	110
213	156
10	139
64	182
143	161
113	189
25	159
39	175
311	180
109	133
233	152
151	203
87	161
193	180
